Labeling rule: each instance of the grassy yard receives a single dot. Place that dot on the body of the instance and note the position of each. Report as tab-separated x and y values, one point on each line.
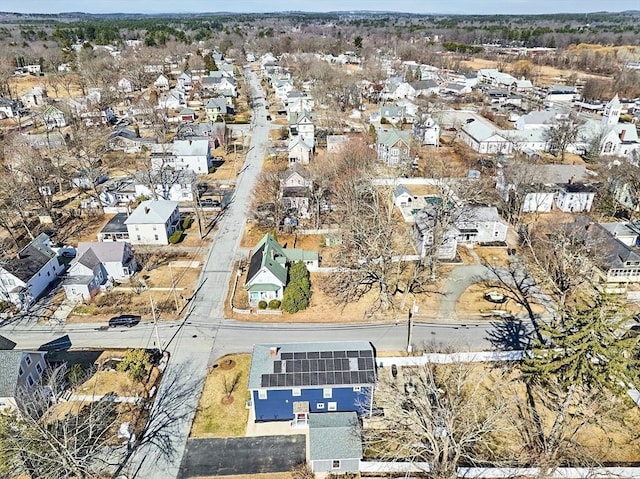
217	415
272	475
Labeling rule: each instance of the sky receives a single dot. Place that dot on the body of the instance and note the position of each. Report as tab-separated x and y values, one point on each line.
414	6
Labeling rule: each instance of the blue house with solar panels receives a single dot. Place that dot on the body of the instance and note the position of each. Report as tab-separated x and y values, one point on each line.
290	380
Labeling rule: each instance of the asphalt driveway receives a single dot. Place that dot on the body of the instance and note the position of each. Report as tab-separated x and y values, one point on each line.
242	455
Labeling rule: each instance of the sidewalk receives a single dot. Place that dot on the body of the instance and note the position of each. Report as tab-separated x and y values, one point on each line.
61	314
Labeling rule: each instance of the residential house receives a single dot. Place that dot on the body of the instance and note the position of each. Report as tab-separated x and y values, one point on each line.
561	94
125	85
297	102
8	108
167	184
301	125
172	100
627	233
268	268
50	141
20	373
393	146
128	141
542	119
423	236
25	277
390	114
187	115
482	137
214	132
575	197
185	81
217	107
96	264
427	132
480	225
191	154
615	262
153	221
425	88
115	229
288	382
37	96
53	118
299	151
161	83
456	88
267	274
496	78
296	185
221	85
335	442
282	88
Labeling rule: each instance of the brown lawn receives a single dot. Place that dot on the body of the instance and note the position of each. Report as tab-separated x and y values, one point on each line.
472	302
217	415
493	256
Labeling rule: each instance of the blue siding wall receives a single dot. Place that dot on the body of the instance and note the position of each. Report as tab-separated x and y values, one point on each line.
279	403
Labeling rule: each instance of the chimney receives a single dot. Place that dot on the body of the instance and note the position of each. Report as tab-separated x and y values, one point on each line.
572	179
622	133
273	351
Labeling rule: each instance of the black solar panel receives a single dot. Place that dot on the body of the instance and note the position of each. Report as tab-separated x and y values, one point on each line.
317	368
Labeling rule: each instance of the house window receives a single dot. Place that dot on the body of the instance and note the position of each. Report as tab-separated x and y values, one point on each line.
335	464
357	389
154	227
156	237
262	394
20	371
332	406
320	405
39	368
28	360
30	380
48	273
138	236
296	392
327	393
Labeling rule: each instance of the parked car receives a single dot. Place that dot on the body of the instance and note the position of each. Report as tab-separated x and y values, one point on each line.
128	320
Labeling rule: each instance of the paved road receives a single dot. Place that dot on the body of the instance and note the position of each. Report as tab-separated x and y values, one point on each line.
191	348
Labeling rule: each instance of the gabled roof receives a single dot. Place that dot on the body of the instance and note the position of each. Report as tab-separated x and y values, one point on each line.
152	212
295	141
401	190
392	136
31	259
191	147
293	169
355	360
268	254
6	344
479	130
334	436
103	252
423	85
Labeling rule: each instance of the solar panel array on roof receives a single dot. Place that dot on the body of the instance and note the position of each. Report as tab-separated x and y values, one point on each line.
316	368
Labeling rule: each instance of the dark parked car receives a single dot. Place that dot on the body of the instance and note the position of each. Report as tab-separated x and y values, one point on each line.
128	320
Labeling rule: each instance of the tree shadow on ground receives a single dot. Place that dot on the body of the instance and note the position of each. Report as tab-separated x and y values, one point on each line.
510	334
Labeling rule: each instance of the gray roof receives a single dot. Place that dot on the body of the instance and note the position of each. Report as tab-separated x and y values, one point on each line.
6	343
621	229
9	372
392	136
191	147
479	130
31	259
109	251
116	224
264	364
152	212
400	190
423	85
334	436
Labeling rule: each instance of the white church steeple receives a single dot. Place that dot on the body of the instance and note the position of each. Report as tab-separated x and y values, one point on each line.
611	114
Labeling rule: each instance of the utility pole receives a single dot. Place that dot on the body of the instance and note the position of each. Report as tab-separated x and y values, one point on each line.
173	288
155	323
410	328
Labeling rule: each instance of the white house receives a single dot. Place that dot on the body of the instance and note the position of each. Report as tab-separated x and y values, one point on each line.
301	125
25	277
192	154
95	264
299	151
161	83
282	89
172	100
297	102
575	197
423	237
53	118
482	137
185	81
153	221
167	183
20	372
35	97
561	94
427	132
480	224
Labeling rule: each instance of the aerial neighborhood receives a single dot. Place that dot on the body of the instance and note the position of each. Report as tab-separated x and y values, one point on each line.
320	245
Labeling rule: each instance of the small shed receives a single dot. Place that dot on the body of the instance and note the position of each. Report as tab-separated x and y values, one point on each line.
335	443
